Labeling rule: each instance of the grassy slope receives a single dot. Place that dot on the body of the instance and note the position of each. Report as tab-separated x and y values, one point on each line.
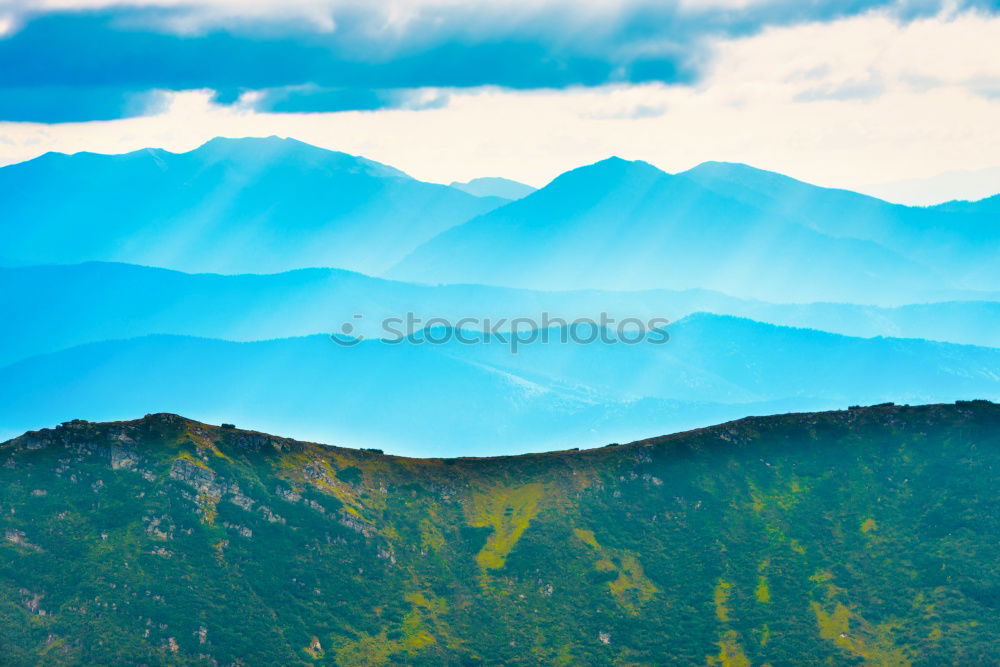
865	536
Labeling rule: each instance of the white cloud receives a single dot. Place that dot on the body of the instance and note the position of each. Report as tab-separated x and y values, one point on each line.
7	24
890	102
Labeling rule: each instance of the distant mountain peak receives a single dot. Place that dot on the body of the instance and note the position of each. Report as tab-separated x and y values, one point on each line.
743	180
615	162
273	142
272	139
733	171
248	150
243	144
232	205
608	173
494	186
748	176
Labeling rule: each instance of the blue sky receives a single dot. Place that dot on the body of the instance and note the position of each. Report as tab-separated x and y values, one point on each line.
558	83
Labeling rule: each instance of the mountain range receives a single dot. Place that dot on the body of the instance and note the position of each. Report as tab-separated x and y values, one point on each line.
245	283
492	186
230	206
478	399
627	225
109	301
235	261
864	536
272	205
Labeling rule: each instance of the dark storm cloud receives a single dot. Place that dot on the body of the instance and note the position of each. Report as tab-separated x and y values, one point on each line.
105	64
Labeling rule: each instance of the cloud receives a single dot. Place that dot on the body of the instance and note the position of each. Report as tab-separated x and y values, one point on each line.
743	109
988	87
60	104
633	112
7	25
335	55
855	89
310	98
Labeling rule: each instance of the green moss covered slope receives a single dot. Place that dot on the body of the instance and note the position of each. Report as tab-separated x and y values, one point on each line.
867	536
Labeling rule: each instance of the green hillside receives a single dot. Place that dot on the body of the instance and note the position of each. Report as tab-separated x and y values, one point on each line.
866	536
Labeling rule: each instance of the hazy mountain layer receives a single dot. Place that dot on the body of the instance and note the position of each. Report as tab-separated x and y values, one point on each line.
494	187
729	359
94	302
231	206
413	396
960	239
860	537
628	225
268	205
482	399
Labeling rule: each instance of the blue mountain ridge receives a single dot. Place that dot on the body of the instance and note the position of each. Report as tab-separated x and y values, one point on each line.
229	206
481	399
619	224
197	283
98	301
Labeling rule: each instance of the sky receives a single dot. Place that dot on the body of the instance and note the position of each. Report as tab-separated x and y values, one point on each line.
895	98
